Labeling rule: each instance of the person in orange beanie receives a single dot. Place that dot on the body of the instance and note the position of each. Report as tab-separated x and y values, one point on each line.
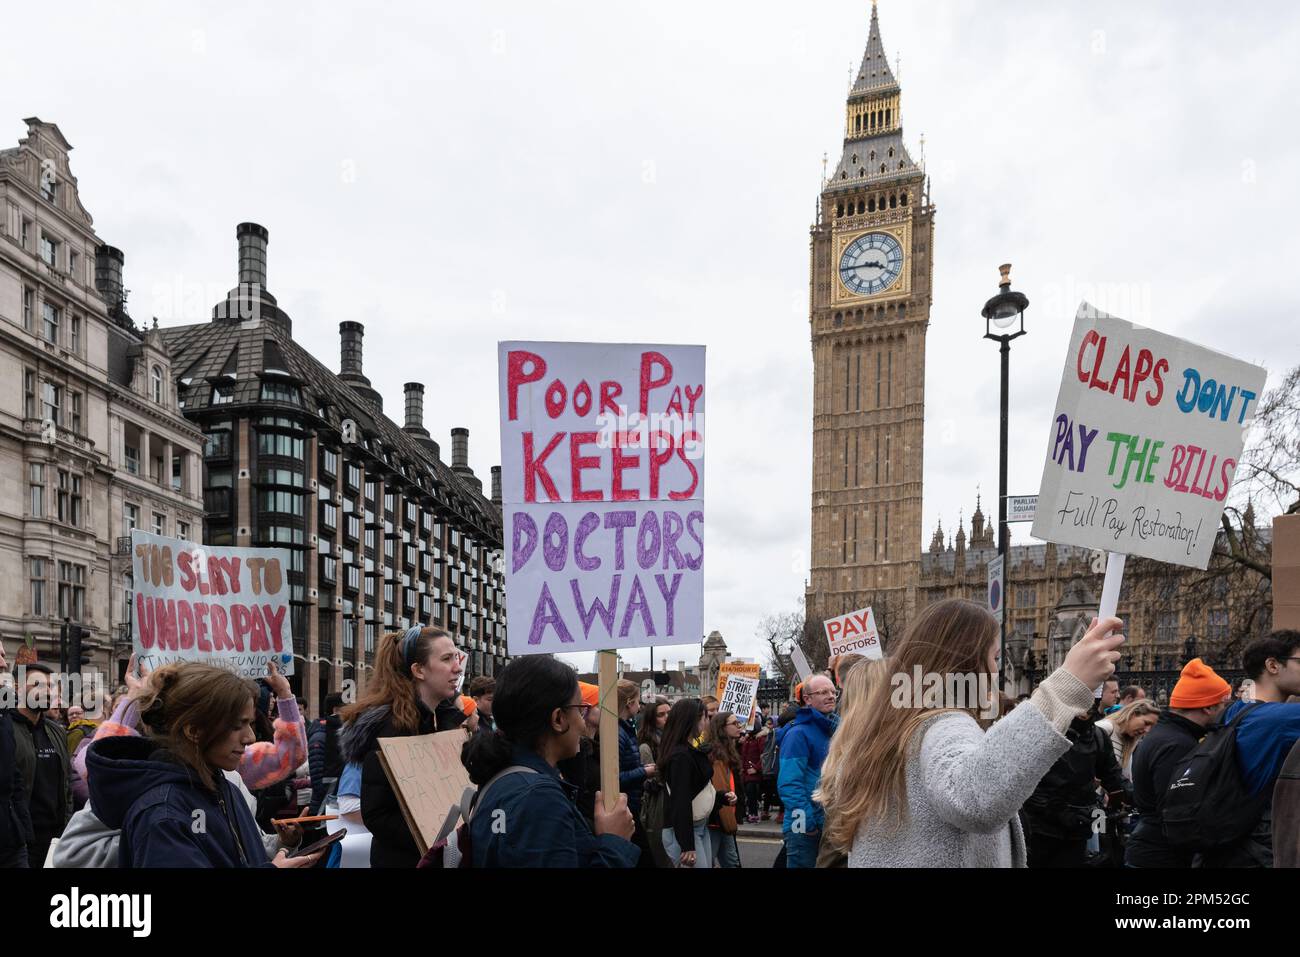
1198	701
470	707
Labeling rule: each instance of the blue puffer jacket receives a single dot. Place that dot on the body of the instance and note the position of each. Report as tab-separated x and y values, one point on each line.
803	749
167	818
631	773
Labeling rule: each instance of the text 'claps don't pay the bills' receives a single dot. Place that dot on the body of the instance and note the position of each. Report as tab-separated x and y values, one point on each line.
602	479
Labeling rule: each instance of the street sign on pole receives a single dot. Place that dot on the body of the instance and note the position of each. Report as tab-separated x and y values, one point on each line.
1021	508
997	587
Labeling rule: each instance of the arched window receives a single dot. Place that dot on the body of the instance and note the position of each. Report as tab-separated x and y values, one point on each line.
157	380
902	199
862	207
882	167
839	210
855	159
893	201
873	156
891	152
862	172
871	205
888	114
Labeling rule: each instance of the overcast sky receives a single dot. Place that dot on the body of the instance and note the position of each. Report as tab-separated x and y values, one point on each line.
454	175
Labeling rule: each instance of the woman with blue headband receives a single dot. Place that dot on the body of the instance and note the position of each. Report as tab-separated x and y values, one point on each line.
412	691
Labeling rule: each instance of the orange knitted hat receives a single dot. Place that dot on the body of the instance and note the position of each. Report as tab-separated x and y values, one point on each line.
1199	686
590	693
468	705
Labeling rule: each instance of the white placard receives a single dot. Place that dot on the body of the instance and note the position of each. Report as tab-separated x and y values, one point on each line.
1144	442
854	634
738	696
1021	508
602	475
222	606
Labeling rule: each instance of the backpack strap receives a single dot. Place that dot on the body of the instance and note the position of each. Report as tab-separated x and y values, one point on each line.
477	798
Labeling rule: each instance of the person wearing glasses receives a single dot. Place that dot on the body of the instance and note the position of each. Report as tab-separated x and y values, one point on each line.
803	749
1265	736
413	691
524	814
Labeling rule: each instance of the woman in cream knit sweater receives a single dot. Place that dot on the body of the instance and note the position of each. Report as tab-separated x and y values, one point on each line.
919	776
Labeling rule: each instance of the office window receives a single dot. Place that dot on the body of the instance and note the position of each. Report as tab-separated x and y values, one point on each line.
132	459
267	476
223	394
217	445
74	412
73	260
49	250
156	383
183	531
159	523
289	503
30	405
270	443
37	575
329	462
50	316
74	335
281	392
36	477
29	301
354	477
62	493
130	518
51	399
329	516
72	590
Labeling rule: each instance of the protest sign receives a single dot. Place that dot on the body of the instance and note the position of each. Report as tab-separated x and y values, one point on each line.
800	662
602	476
428	778
1145	438
227	607
744	669
854	634
739	695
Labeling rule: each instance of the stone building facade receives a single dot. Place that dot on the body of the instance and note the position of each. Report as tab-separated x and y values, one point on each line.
382	531
1171	614
92	440
871	263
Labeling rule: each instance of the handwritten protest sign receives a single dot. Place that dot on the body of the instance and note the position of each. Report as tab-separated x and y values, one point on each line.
854	634
602	473
426	773
739	695
1145	439
227	607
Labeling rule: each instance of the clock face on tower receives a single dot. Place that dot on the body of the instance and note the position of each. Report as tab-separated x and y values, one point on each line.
871	263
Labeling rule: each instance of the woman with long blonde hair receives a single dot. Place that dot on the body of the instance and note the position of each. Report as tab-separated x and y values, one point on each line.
918	775
1125	729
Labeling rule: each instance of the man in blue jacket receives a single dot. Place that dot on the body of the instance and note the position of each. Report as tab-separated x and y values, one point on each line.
1265	736
803	749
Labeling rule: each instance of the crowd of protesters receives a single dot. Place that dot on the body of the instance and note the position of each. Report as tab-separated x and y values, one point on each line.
193	766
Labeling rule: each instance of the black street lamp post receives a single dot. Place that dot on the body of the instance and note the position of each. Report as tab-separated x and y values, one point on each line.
1005	312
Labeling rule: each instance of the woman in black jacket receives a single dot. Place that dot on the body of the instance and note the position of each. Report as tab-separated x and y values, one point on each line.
413	691
688	774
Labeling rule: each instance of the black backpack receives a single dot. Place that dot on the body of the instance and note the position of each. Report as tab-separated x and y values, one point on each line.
1209	805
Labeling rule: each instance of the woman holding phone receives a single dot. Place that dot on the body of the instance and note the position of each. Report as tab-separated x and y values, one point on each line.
158	788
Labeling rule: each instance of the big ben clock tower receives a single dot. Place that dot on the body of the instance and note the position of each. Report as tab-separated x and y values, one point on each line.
870	306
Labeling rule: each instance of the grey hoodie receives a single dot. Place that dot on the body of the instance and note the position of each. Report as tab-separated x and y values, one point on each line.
89	842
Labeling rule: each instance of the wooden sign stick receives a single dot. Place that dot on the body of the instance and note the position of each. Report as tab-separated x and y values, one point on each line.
609	728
